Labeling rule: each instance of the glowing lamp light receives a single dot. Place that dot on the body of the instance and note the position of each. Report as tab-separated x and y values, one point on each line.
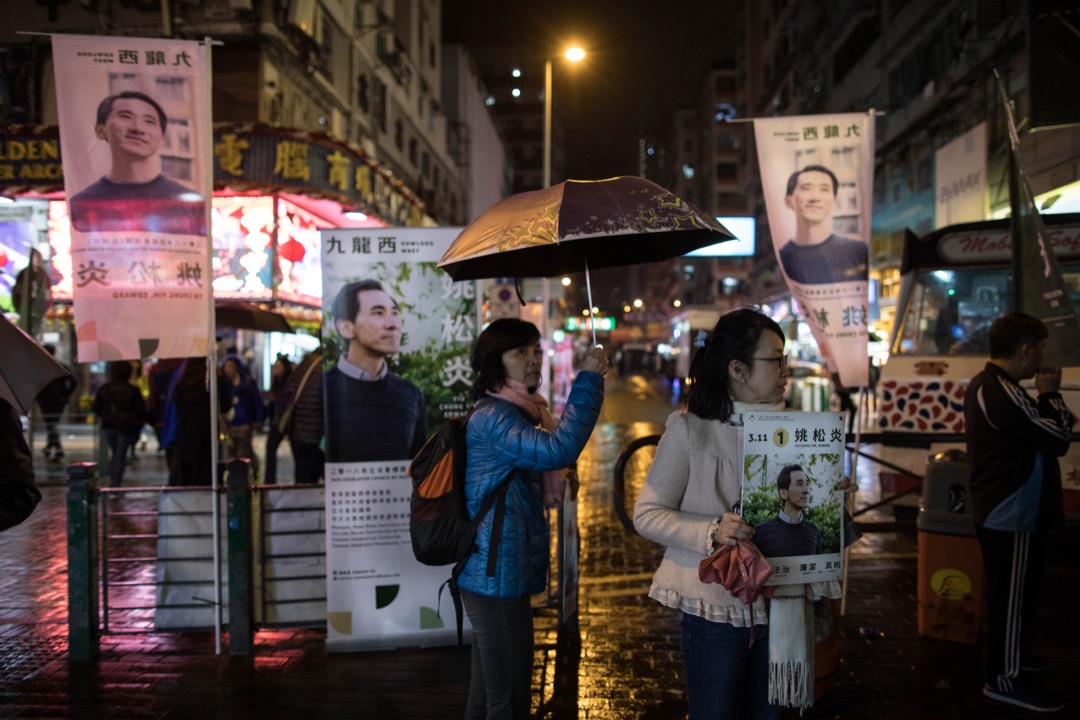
292	251
575	54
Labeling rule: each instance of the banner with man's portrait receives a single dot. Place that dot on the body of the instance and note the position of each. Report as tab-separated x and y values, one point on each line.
396	335
817	173
135	137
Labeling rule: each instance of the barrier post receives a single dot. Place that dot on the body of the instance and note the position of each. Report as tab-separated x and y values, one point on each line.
240	555
83	585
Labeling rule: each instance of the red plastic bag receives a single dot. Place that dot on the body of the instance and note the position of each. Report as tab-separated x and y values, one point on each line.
741	568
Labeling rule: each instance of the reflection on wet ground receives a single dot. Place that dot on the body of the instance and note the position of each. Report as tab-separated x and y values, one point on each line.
622	661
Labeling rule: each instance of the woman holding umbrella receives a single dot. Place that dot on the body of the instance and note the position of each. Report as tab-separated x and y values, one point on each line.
510	434
689	504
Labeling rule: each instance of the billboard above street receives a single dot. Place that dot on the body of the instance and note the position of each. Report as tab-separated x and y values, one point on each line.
743	228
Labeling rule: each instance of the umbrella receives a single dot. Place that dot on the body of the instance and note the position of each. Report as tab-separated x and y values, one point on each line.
25	366
580	225
249	317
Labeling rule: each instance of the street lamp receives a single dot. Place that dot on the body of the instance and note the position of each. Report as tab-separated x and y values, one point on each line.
573	54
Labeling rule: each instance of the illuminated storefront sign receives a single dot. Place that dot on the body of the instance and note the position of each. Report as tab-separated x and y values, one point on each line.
251	158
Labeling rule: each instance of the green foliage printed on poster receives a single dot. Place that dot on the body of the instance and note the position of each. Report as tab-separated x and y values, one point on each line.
762	502
438	320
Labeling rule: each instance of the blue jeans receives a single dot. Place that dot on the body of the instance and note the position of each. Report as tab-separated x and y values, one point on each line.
118	441
726	677
500	687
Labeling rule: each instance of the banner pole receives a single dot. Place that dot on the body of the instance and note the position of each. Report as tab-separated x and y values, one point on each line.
211	340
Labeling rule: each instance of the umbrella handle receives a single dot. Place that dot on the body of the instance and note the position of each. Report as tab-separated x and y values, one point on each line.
588	292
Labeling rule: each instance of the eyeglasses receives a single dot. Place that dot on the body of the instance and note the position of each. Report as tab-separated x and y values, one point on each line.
781	362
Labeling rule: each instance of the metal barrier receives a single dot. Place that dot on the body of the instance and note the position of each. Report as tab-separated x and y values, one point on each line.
619	487
140	559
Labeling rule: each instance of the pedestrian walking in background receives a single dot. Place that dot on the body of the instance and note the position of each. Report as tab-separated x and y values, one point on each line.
510	434
190	400
32	293
1013	445
52	400
304	392
142	382
689	503
275	403
120	407
243	410
19	494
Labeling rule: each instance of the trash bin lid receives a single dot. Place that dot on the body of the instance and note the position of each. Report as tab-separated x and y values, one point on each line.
950	455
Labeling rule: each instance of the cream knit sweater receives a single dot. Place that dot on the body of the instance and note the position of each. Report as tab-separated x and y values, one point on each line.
695	478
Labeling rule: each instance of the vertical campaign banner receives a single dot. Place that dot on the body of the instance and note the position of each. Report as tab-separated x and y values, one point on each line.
135	138
792	464
396	335
817	173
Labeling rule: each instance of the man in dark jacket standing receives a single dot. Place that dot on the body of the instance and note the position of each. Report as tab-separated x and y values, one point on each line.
1013	445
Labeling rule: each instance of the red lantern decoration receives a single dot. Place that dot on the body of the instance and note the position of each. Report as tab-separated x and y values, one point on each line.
3	258
292	251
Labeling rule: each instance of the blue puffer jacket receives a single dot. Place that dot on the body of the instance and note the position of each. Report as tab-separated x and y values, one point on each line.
503	438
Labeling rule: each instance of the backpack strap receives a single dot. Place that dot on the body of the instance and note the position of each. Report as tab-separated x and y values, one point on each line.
496	496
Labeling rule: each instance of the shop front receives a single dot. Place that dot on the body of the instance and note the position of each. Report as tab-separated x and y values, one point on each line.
274	191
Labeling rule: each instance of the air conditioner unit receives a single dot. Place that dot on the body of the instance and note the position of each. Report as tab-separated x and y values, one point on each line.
302	16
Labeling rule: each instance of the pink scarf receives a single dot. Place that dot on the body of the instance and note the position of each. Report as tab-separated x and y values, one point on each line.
553	482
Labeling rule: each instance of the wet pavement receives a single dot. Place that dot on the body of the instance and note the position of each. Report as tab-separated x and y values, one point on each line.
621	661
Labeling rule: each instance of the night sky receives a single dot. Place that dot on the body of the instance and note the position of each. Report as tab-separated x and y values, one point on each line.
645	59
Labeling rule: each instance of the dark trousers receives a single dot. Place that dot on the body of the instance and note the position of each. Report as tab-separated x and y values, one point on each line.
727	677
273	442
500	686
51	414
118	441
1014	565
308	459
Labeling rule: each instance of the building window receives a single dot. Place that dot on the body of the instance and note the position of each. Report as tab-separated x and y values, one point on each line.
727	171
380	104
399	135
412	151
362	92
425	164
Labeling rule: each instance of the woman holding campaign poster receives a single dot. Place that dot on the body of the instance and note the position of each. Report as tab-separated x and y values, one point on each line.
735	665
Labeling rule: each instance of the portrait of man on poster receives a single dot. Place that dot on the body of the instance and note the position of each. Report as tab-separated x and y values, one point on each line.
817	256
789	533
134	195
371	413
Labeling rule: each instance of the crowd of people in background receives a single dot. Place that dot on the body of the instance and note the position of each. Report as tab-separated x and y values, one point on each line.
170	400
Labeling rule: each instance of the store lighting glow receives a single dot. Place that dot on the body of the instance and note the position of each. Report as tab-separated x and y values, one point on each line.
356	215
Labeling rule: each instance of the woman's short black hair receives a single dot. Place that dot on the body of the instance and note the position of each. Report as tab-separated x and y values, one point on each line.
486	357
735	337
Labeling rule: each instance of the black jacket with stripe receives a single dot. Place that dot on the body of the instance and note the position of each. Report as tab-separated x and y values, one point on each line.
1005	428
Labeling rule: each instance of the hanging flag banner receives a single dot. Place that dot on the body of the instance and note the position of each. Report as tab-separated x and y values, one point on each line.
792	464
135	138
817	174
396	335
1040	289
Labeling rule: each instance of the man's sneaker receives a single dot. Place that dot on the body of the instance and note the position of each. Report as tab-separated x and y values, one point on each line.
1024	697
1033	663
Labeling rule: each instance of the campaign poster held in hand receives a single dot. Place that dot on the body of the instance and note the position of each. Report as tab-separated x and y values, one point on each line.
792	463
135	138
817	173
396	336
